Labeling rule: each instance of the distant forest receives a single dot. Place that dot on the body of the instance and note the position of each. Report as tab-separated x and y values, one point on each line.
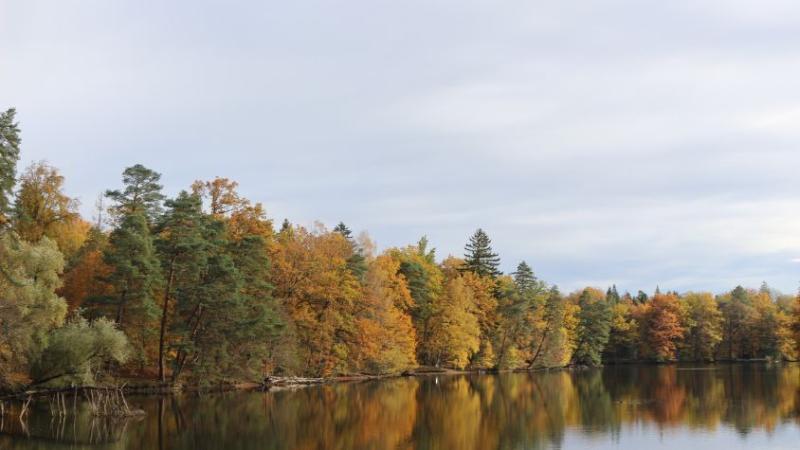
205	288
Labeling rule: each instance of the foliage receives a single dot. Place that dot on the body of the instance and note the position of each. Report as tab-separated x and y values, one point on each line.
29	306
479	256
9	155
141	194
77	352
202	288
42	209
594	326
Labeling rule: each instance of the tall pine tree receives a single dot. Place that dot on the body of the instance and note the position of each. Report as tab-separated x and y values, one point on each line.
142	193
9	155
479	256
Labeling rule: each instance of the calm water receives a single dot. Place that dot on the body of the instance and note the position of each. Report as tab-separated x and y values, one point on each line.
636	407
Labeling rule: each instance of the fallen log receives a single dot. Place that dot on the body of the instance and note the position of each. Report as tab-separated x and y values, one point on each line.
292	381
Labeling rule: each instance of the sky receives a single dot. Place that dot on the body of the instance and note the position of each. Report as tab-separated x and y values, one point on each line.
633	142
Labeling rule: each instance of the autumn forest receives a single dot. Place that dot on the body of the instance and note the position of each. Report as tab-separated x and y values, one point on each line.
206	288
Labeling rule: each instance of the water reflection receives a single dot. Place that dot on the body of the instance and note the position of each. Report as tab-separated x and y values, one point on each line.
538	410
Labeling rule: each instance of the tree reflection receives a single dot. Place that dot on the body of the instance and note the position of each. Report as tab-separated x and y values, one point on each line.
508	410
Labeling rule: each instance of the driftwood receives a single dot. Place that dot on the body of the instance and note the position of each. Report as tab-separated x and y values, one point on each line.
292	381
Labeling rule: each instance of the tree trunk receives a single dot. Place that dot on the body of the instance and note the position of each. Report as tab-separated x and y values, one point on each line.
161	374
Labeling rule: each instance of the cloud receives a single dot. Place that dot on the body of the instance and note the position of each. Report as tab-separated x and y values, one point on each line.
643	142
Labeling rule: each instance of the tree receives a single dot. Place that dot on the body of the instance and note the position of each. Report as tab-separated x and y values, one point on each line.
135	271
141	194
221	194
554	346
479	257
525	280
425	282
455	330
77	352
623	341
29	305
259	327
520	313
704	326
593	328
661	324
319	292
182	250
356	262
87	274
612	296
42	209
9	155
737	311
387	339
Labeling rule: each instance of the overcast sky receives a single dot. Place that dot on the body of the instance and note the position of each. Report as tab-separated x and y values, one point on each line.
630	142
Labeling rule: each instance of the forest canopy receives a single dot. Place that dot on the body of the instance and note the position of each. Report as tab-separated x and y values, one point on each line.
203	287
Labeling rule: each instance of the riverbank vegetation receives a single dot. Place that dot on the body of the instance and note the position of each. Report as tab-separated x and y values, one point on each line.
204	287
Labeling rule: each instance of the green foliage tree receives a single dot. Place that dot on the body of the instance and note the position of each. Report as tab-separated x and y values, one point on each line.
594	325
135	272
704	326
79	351
29	305
479	256
182	248
141	194
9	155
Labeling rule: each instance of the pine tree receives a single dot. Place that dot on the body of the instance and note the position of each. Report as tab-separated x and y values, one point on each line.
356	263
9	155
142	194
182	248
612	296
479	257
135	271
524	279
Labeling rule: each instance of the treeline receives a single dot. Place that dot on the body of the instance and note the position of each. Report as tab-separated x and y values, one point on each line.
203	287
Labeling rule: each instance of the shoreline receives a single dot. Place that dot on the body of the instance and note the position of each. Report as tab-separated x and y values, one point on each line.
134	386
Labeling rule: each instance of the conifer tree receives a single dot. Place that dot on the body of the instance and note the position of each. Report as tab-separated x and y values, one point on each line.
479	256
182	248
524	278
9	155
612	296
593	327
142	194
356	263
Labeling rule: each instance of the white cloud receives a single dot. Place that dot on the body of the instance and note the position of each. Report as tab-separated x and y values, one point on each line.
644	142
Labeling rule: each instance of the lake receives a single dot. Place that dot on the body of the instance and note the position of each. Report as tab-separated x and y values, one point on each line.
621	407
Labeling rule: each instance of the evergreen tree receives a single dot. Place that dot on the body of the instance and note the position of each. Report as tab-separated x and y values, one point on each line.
135	268
356	263
9	155
142	194
286	226
612	296
479	257
593	328
259	326
524	279
182	248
